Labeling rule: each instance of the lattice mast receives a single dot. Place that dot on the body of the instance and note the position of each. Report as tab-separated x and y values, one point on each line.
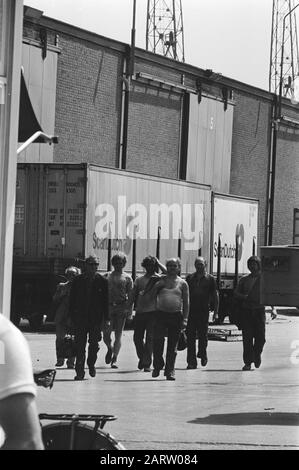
283	36
164	28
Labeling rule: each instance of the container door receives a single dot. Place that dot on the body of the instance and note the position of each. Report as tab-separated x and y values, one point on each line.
65	212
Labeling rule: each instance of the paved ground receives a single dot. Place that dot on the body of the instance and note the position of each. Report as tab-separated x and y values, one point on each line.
216	407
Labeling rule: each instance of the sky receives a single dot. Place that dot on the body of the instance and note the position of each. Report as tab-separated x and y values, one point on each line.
231	37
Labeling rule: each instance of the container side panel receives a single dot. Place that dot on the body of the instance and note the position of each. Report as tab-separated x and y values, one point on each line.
136	205
19	248
74	214
243	221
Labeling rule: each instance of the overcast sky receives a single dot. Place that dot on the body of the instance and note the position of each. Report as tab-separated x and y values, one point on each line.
231	37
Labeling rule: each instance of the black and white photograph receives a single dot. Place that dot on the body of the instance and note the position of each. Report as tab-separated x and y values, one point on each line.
149	228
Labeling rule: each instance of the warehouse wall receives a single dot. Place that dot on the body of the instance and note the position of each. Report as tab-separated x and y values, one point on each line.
88	103
89	112
286	183
154	131
250	151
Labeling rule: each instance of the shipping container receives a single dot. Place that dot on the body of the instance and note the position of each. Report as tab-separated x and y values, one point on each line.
65	212
234	240
233	217
279	279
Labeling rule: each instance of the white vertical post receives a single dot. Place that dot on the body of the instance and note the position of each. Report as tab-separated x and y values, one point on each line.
11	17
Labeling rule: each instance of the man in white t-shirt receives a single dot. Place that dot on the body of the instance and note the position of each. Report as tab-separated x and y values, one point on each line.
19	423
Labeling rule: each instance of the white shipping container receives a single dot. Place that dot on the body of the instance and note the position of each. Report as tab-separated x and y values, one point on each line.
233	216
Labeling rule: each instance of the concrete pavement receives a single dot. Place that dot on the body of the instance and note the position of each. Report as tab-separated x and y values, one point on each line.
216	407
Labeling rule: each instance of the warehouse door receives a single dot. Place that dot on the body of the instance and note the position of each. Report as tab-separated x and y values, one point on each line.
209	142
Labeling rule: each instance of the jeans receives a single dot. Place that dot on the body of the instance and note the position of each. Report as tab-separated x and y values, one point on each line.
166	324
253	333
93	334
197	327
61	331
144	325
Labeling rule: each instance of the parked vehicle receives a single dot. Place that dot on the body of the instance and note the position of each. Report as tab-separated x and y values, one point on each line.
65	212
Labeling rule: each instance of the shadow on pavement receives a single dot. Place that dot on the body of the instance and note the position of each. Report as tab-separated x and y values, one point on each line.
246	419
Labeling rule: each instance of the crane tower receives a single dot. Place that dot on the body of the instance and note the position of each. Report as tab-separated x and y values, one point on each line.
164	28
284	57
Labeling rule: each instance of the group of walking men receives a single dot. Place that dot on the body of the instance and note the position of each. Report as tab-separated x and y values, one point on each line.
93	306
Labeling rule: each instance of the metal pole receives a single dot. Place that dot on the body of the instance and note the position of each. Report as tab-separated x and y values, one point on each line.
158	243
133	34
219	262
236	278
134	257
180	244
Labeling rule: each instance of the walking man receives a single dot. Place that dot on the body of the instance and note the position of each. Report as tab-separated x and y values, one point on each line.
120	285
61	301
172	314
252	314
203	297
145	304
88	311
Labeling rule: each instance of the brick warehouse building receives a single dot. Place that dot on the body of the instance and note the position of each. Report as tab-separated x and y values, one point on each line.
173	120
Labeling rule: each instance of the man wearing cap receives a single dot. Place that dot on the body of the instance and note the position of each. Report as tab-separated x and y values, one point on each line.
253	319
88	309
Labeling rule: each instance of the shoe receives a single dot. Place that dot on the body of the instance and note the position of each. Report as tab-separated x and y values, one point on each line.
147	369
257	362
246	367
155	373
79	377
92	371
191	366
140	365
113	363
204	361
59	363
170	377
108	356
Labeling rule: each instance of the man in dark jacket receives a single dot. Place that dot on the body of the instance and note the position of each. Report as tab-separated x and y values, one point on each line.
88	312
253	319
203	295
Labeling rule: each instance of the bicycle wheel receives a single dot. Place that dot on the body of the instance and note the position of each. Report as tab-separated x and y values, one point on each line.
57	436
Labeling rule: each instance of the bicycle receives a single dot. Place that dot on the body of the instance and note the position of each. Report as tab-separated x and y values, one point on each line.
68	432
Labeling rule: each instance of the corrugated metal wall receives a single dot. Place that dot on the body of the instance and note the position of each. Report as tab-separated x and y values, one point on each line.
209	143
50	211
106	187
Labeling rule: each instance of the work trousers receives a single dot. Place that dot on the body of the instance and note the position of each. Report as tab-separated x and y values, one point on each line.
166	324
61	331
143	337
253	333
197	327
82	333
